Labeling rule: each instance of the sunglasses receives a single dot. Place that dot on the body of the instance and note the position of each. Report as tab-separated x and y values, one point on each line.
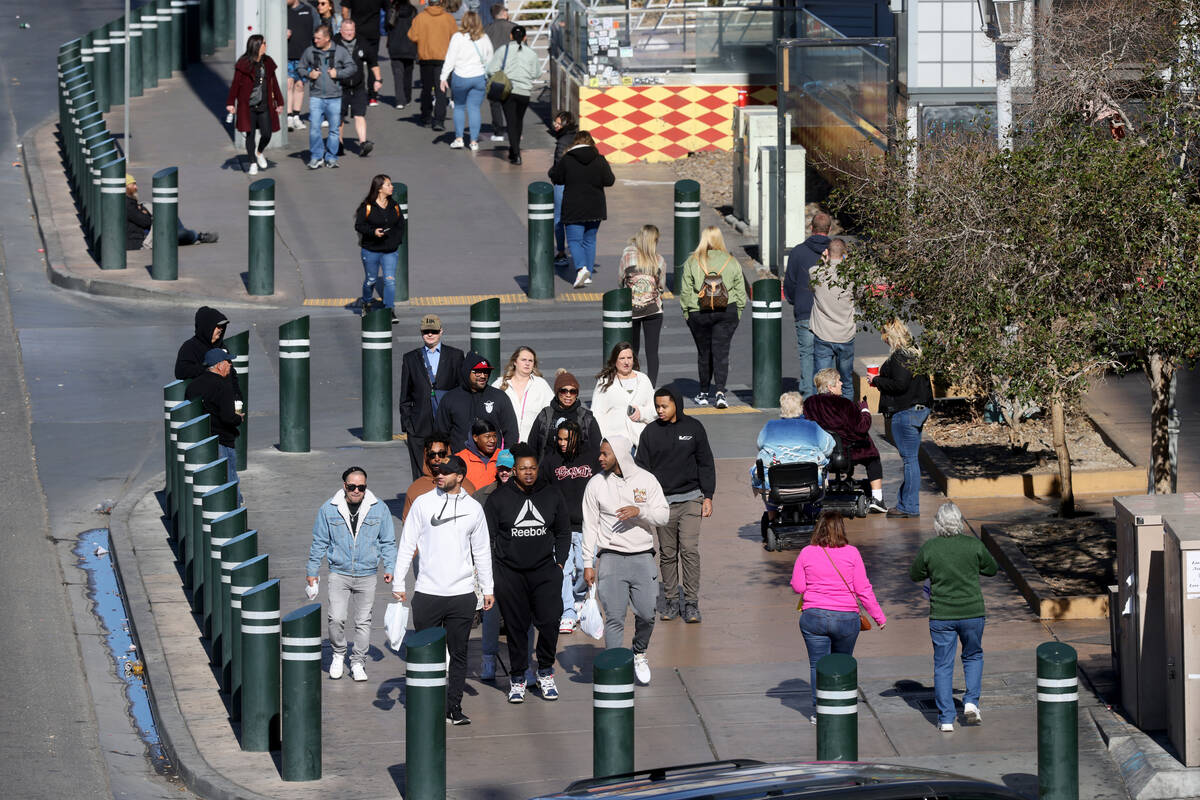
356	487
442	454
566	390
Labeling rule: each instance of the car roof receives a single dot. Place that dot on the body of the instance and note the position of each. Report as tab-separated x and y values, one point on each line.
745	778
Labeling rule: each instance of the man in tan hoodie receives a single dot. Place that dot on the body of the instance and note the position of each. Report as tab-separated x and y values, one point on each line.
431	30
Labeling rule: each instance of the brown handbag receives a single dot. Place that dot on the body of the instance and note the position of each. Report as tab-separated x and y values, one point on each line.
864	621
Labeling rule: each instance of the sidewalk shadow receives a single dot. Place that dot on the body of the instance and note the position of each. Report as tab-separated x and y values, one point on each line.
1022	783
795	694
237	162
210	87
919	697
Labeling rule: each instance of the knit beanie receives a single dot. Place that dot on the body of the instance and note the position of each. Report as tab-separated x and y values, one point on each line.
564	378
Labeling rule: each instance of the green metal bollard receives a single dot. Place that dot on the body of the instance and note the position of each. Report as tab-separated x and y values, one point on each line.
612	713
837	708
222	530
207	43
205	479
195	456
260	667
191	31
213	504
189	433
166	32
178	35
485	330
112	213
618	319
173	395
87	54
165	263
101	55
766	310
185	411
237	550
687	224
425	715
541	240
1057	722
243	576
220	24
294	386
262	237
133	40
102	150
116	61
400	195
377	376
238	346
149	21
301	642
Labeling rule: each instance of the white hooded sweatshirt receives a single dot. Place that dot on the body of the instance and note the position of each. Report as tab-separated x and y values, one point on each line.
607	492
452	535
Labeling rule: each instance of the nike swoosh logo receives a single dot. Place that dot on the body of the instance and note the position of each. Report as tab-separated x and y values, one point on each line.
435	521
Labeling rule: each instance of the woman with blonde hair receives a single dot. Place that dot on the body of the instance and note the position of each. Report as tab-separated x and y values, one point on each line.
527	390
905	399
832	582
641	271
464	72
712	294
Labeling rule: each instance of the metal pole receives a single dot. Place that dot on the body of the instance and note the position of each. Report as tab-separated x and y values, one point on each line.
164	265
262	237
237	550
687	224
222	530
260	667
194	457
617	319
220	24
187	434
205	479
214	504
243	576
301	641
112	212
485	329
837	708
767	314
238	346
377	376
1003	94
612	712
1057	722
294	386
400	195
541	241
425	716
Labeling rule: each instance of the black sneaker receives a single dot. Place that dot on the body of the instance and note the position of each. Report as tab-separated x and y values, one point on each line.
691	614
365	148
395	321
207	238
877	507
670	612
455	716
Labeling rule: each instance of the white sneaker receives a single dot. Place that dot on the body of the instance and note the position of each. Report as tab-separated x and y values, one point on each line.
701	399
946	727
497	137
474	145
641	669
457	144
399	106
337	667
357	672
566	625
588	280
291	122
487	668
253	169
262	161
547	688
721	401
324	124
516	692
971	712
299	123
582	277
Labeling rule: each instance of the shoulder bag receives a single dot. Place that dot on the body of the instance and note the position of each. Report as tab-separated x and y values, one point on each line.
864	621
499	87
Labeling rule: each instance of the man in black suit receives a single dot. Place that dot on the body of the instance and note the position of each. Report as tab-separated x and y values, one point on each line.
427	373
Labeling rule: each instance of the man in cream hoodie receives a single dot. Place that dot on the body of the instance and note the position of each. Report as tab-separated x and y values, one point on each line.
621	507
448	527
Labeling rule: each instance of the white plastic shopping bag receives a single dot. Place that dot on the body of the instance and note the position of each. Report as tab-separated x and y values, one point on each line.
591	621
311	590
395	622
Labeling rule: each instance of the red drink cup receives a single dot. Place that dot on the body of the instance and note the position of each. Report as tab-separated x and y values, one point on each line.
872	370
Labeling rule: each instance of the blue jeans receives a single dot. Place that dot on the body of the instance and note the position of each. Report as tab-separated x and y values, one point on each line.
826	632
906	433
581	238
468	98
323	108
573	586
373	263
946	634
560	230
839	354
804	340
230	456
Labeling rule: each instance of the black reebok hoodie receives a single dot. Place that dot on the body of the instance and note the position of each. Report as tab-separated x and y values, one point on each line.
529	530
677	453
463	405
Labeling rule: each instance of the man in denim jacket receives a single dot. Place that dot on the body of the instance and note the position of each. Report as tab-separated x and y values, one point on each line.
354	531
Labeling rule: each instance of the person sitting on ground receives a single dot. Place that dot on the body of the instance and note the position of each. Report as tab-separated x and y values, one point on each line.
138	221
791	439
852	422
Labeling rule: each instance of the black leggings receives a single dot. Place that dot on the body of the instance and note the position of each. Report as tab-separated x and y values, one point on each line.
713	331
514	116
653	326
402	72
260	121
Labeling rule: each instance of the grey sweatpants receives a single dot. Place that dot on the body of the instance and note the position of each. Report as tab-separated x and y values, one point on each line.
621	580
348	595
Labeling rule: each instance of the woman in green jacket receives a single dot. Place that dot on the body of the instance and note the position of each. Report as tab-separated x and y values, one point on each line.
521	65
712	293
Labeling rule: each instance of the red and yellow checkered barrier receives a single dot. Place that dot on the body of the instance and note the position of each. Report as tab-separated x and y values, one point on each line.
662	123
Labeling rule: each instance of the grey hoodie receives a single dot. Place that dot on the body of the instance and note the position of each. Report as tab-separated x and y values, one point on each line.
324	86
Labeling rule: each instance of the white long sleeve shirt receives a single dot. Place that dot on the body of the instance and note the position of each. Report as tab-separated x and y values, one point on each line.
451	532
466	58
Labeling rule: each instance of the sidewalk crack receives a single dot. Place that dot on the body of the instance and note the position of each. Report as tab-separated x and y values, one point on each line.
703	726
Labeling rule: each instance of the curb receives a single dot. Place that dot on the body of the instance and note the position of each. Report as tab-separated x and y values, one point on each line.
1042	600
1148	771
197	774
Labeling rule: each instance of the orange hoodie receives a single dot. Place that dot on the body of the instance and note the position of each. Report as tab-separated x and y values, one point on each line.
431	30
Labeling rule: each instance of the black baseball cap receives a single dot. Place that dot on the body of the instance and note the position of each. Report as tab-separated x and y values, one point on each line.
451	466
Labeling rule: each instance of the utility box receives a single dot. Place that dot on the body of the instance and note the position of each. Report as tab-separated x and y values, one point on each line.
1181	574
769	253
744	158
1141	639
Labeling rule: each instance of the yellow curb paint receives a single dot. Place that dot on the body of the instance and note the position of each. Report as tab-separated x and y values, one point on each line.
709	410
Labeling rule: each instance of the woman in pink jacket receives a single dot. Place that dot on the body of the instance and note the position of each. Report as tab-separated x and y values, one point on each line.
830	578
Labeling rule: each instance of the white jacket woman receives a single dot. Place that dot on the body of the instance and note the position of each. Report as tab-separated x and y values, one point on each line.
623	401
